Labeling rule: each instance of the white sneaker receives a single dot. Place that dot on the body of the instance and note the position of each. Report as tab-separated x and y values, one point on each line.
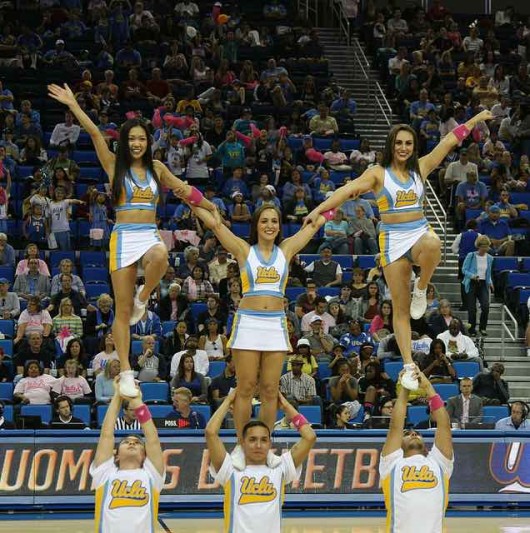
238	458
418	304
127	384
407	379
273	460
138	308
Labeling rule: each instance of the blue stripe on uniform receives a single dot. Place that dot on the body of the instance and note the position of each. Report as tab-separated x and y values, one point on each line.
403	226
266	314
129	226
265	293
233	495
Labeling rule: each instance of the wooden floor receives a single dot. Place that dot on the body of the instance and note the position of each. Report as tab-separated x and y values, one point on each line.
291	525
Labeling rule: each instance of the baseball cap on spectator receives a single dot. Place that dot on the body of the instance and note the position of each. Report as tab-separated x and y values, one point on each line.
494	209
297	360
366	345
236	193
58	42
325	246
4	281
270	188
316	318
303	342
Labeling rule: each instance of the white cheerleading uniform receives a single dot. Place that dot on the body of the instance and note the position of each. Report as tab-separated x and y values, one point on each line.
253	497
396	240
416	491
126	500
264	331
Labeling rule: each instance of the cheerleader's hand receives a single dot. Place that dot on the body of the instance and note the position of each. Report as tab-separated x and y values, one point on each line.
62	94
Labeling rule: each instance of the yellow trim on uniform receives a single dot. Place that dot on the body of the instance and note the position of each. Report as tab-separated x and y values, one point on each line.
245	282
386	488
235	324
113	251
383	243
227	505
382	203
100	493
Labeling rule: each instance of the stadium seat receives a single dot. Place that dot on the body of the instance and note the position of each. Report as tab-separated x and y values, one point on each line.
93	259
446	390
216	368
136	346
6	392
466	369
328	291
155	392
196	309
324	371
7	327
168	326
313	413
160	411
525	264
416	414
493	413
101	411
7	272
241	229
518	279
7	346
359	417
345	261
204	410
366	261
93	290
56	256
393	368
82	411
91	274
8	413
292	293
44	411
505	263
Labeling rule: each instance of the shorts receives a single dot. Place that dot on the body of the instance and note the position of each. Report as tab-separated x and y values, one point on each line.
261	331
130	242
397	240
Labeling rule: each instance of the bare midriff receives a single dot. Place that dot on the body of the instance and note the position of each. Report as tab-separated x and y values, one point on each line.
397	218
136	216
261	303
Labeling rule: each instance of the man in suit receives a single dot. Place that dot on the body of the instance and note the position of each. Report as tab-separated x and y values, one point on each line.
465	407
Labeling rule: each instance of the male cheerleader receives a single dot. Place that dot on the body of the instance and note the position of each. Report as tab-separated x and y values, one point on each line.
416	482
128	482
253	497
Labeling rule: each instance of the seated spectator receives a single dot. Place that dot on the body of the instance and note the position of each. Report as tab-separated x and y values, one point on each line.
239	210
309	363
7	252
34	350
200	357
184	416
320	313
343	386
374	384
66	267
355	338
64	162
340	417
498	231
363	233
35	386
212	341
433	303
150	365
65	133
174	305
321	343
351	307
336	233
466	407
104	387
437	366
67	291
219	266
459	347
74	351
325	272
4	424
470	194
106	354
298	385
298	207
9	302
232	272
335	159
383	320
72	384
323	124
32	284
491	387
33	320
213	311
127	422
188	378
191	260
100	319
225	381
322	186
340	318
440	321
148	326
517	419
175	340
230	301
305	302
63	417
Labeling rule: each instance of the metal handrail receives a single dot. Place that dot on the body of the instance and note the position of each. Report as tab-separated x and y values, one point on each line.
440	209
337	10
505	329
388	117
305	8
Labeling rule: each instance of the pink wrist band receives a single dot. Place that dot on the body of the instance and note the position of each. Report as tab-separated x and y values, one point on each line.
195	197
329	214
461	132
142	413
299	421
435	403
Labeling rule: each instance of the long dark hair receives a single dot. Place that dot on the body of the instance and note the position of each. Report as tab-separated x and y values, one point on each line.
388	153
181	371
254	224
124	159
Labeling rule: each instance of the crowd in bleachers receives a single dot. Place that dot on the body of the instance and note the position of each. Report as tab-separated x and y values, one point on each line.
241	103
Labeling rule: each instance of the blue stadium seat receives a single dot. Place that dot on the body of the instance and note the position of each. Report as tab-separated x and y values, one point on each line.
524	294
313	413
204	410
7	346
88	157
366	261
82	411
466	369
505	263
56	256
8	413
324	371
7	327
241	229
347	145
90	174
83	231
393	368
160	411
518	279
520	198
472	213
321	143
309	258
345	261
328	291
101	411
93	290
93	259
493	413
359	417
168	326
44	411
292	293
525	264
295	143
95	274
416	414
7	272
196	309
155	392
446	390
6	391
216	368
136	346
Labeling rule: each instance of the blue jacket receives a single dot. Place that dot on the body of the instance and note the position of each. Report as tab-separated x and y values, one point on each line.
469	269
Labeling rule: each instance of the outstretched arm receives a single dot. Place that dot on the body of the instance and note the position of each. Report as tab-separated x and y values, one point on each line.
432	160
66	97
213	442
394	436
105	449
291	246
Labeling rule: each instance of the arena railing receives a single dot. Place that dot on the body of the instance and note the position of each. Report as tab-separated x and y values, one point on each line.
506	330
309	9
440	215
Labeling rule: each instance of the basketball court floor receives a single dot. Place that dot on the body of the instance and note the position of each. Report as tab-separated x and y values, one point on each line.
295	524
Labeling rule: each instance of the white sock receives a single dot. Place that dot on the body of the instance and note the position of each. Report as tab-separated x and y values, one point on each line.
528	352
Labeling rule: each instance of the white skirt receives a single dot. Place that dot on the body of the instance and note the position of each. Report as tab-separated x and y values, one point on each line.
397	240
130	242
260	331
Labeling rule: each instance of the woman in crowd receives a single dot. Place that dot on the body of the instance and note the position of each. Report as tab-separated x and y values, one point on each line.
35	386
193	381
72	384
212	341
104	387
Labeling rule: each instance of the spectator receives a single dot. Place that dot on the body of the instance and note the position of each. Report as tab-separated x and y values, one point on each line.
382	321
149	364
184	416
307	300
477	271
66	324
340	417
336	233
99	319
373	385
9	302
363	233
173	306
35	386
498	231
106	354
212	341
66	267
325	272
353	340
32	283
491	387
148	326
359	287
349	306
470	194
298	385
187	377
175	341
75	351
104	387
420	108
320	313
459	346
190	348
517	419
437	367
335	159
343	387
31	252
65	133
225	381
34	350
127	422
466	407
219	266
323	124
196	287
63	417
322	185
33	319
230	302
72	384
321	343
66	291
4	424
7	252
439	322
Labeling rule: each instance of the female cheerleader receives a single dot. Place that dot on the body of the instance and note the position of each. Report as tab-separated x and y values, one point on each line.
405	237
136	180
259	339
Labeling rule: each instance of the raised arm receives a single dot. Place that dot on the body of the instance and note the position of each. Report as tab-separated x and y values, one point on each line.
432	160
291	246
66	97
394	436
301	449
213	442
105	449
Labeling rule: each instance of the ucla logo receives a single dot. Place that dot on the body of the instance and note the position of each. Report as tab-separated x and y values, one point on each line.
142	195
257	492
510	466
125	495
406	198
413	478
267	275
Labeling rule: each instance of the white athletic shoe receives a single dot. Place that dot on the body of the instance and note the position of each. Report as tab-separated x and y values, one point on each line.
127	385
418	304
273	460
138	308
408	380
238	458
